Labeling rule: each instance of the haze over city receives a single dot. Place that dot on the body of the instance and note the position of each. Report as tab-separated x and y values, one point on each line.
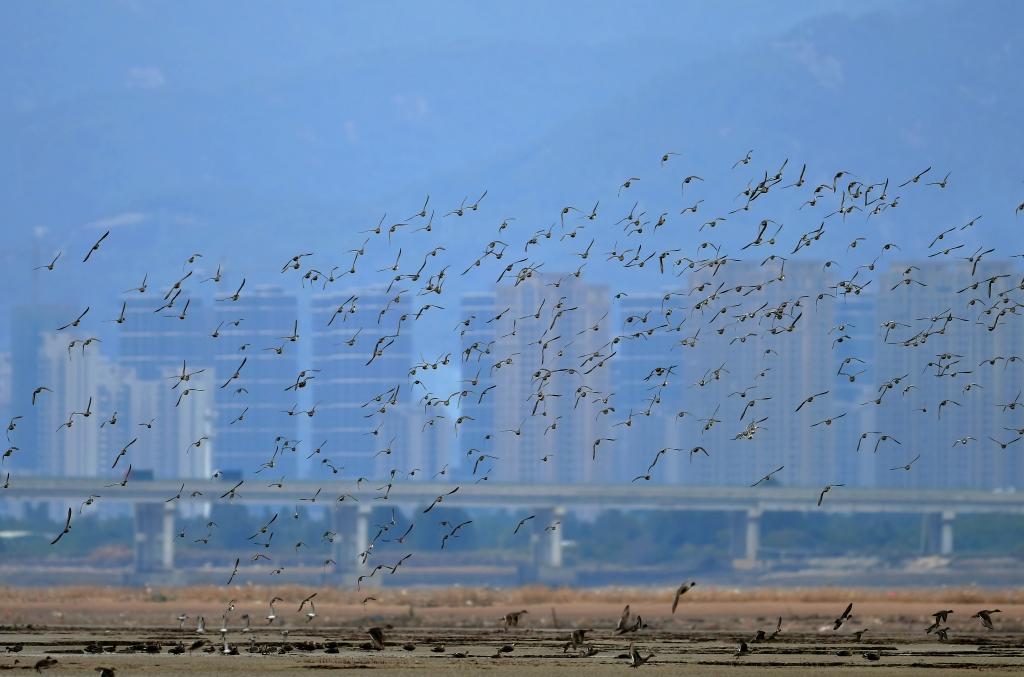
408	307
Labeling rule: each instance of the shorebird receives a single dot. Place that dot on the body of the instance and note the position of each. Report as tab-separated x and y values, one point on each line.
45	663
511	619
521	523
908	465
624	618
95	246
635	659
272	616
576	639
843	617
376	638
37	392
440	499
985	616
828	488
67	528
638	624
768	477
51	264
680	591
75	322
311	614
940	619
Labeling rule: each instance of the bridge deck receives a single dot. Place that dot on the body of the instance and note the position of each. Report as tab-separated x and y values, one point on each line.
764	499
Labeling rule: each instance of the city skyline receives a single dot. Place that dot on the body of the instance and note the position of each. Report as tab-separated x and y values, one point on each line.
652	410
533	337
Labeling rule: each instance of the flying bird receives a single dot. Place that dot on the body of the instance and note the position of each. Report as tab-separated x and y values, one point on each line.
985	616
521	523
96	246
768	477
680	591
907	466
843	617
67	528
440	499
828	488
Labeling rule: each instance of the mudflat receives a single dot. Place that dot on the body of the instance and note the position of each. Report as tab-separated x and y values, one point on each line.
428	632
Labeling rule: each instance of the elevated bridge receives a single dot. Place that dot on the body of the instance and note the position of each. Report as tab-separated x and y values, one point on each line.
155	515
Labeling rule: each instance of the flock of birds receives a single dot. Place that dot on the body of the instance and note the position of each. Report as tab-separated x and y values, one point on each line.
420	271
628	625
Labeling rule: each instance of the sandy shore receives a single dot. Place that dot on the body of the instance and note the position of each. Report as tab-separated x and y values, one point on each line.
535	652
133	631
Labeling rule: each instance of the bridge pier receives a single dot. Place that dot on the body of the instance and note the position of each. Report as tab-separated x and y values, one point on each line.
937	533
351	524
753	535
154	538
750	525
547	543
946	533
548	547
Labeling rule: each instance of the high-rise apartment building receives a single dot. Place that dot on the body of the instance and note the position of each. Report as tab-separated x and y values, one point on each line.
855	382
153	422
29	327
477	344
550	343
348	328
957	351
647	375
764	342
151	340
263	329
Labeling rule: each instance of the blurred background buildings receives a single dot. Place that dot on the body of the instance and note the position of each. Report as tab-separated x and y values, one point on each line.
526	356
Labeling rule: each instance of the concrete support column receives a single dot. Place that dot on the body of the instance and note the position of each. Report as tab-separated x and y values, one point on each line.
931	533
154	537
753	535
547	542
167	537
946	533
350	523
550	542
339	543
926	533
362	533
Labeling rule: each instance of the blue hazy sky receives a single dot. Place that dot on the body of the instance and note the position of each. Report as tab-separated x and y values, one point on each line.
247	133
